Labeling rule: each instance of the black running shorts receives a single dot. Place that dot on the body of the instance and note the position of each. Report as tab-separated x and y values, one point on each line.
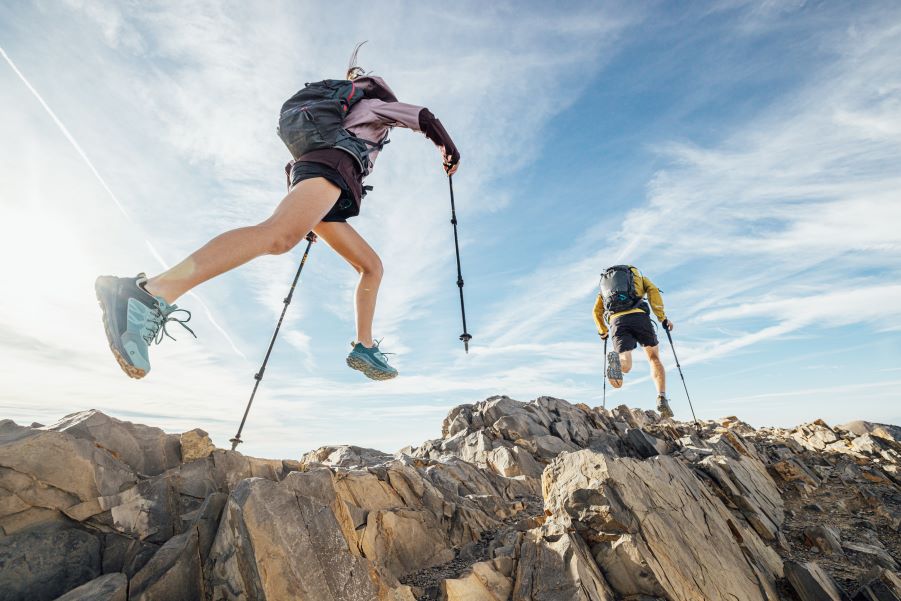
345	207
628	331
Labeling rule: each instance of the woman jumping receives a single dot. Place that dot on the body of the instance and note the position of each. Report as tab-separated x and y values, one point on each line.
326	189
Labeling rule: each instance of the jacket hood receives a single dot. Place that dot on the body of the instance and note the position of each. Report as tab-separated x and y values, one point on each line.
375	87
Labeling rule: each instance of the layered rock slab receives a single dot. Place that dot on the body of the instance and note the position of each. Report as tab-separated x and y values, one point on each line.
655	530
267	526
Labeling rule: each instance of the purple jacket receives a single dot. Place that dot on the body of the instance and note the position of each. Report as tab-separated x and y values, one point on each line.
373	117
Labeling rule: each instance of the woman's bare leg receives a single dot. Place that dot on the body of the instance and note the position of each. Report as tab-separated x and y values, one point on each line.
351	245
298	213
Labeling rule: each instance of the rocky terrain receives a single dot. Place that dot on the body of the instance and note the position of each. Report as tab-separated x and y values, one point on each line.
537	501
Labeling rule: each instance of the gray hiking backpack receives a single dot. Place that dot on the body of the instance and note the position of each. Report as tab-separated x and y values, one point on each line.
313	119
618	290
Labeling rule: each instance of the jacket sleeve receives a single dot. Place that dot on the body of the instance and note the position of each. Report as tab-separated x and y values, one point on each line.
421	119
599	315
654	298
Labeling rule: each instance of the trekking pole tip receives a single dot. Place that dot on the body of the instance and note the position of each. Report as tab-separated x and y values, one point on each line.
465	338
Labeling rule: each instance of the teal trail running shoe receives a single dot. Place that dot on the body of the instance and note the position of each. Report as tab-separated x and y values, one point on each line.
371	361
133	319
614	367
663	406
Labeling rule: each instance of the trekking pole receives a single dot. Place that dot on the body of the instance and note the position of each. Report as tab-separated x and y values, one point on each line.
679	367
259	375
465	337
605	374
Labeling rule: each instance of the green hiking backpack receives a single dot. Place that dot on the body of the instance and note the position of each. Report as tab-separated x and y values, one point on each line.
313	119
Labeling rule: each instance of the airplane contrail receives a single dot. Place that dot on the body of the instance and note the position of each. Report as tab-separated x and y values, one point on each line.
109	191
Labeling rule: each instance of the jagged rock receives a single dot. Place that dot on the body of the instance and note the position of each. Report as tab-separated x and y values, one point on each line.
44	562
637	508
555	565
195	444
811	583
174	573
346	456
484	582
793	470
824	538
884	431
746	483
709	554
125	554
513	438
879	585
109	587
146	450
873	553
266	526
645	444
814	436
513	461
60	467
405	540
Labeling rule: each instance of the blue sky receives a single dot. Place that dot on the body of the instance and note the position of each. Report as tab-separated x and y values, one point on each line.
743	154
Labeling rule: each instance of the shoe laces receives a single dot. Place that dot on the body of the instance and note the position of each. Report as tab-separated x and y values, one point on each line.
375	345
156	330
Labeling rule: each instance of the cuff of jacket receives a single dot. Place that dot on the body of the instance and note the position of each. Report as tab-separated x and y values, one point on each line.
435	132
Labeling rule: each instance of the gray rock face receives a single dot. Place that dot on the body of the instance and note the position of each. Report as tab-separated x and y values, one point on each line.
811	583
879	585
525	501
44	562
109	587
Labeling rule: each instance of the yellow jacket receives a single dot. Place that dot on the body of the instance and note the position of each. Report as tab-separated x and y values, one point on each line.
643	286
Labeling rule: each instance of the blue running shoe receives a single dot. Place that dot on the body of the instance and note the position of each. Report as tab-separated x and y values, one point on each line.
371	361
133	319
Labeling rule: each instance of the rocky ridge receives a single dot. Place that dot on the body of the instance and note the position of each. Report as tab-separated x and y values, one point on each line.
538	501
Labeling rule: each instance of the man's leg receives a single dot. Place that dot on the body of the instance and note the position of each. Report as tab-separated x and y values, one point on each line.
657	371
298	213
625	361
659	376
345	240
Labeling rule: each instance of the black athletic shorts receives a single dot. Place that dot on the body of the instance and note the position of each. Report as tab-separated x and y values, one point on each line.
628	331
345	207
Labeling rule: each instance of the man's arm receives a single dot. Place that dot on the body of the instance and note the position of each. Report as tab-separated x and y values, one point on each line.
654	298
599	316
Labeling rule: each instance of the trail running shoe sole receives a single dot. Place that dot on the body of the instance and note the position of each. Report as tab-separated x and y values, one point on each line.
368	370
102	288
614	368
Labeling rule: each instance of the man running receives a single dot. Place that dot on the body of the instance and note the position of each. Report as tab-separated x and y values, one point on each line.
623	291
326	189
